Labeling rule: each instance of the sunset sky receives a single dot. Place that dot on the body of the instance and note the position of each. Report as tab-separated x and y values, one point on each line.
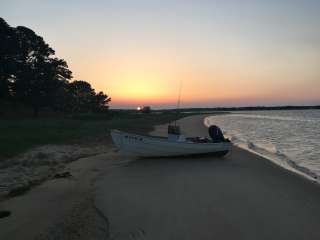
222	52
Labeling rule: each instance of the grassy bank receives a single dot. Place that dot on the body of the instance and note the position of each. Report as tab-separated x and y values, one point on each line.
19	135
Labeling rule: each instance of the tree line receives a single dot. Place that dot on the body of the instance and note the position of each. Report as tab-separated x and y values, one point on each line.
31	73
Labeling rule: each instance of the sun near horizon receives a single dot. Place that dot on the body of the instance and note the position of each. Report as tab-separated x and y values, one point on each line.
224	53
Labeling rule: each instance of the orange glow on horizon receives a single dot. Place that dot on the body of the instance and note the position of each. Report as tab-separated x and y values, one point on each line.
154	81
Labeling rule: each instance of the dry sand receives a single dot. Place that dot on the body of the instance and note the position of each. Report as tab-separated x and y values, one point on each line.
240	196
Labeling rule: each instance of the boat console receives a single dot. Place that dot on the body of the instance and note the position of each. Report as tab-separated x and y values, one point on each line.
174	133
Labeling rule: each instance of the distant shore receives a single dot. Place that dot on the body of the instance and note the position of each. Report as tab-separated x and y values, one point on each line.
229	109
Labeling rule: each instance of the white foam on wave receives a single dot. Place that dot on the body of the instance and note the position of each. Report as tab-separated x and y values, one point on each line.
268	151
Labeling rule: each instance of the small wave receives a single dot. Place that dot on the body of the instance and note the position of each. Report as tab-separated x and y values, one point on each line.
257	142
272	153
207	122
268	149
238	139
302	169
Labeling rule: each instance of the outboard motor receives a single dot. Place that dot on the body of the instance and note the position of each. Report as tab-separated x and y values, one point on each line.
216	134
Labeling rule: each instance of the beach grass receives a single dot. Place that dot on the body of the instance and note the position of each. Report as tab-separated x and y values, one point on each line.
19	135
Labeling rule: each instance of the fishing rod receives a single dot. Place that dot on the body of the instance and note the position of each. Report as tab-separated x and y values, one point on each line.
178	102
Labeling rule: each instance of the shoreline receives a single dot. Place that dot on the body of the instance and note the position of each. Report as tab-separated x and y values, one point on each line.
239	196
288	165
161	130
242	196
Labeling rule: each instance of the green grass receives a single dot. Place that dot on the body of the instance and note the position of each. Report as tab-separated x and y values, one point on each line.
17	136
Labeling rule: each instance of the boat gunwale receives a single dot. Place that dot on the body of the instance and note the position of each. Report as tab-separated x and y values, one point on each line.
165	138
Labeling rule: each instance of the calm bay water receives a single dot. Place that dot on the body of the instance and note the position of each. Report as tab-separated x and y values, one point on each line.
289	138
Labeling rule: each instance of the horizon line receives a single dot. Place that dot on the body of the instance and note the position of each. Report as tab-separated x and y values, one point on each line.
257	107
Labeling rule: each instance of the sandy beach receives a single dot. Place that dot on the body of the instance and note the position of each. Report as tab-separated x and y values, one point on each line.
240	196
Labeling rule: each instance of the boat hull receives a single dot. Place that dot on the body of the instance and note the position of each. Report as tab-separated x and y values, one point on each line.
149	146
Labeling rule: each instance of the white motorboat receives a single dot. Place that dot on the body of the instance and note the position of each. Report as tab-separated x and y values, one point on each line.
173	145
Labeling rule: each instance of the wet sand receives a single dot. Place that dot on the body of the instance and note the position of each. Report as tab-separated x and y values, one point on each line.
240	196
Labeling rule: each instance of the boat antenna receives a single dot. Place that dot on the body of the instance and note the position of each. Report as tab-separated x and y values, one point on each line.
178	102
